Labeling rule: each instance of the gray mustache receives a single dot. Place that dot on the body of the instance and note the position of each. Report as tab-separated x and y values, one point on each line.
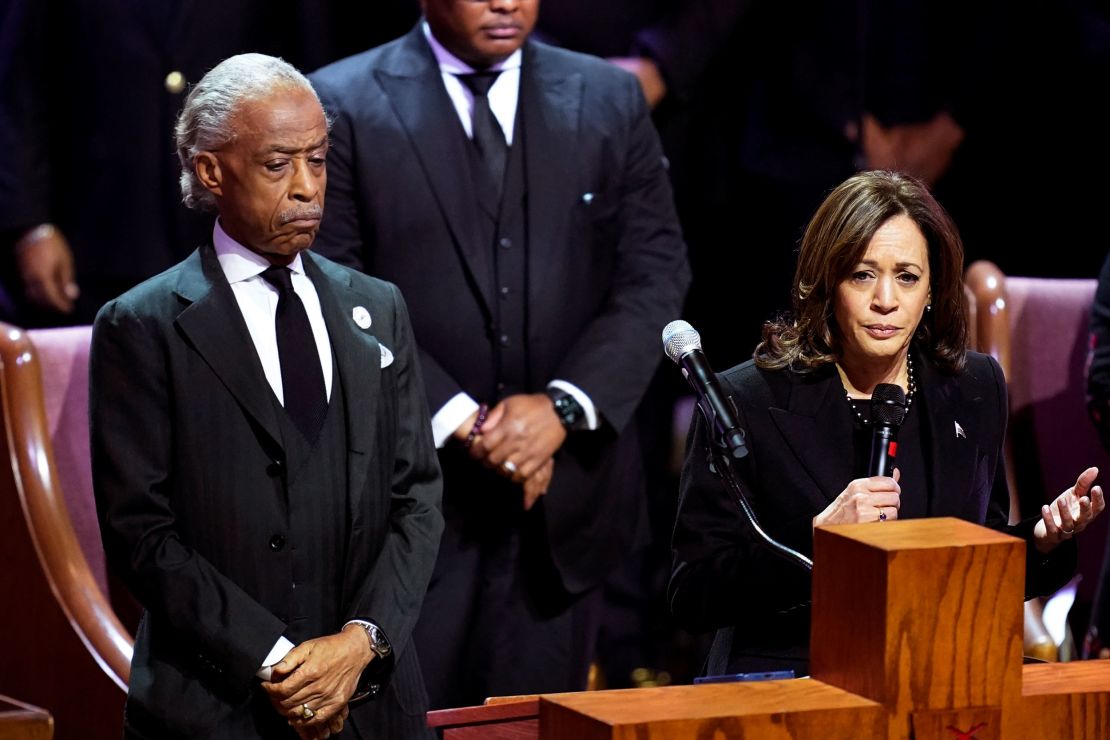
310	211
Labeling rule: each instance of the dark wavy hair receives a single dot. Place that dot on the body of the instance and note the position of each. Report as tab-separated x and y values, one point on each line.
835	242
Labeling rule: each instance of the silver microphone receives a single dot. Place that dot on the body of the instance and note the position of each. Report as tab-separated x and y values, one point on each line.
682	344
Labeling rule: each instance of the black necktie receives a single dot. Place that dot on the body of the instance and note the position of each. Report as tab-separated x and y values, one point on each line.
302	380
488	136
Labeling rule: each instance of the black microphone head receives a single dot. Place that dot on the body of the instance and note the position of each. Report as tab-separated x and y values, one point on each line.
888	404
679	338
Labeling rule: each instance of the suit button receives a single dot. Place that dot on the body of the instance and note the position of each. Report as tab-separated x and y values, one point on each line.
174	82
277	542
500	387
504	340
505	291
274	469
505	242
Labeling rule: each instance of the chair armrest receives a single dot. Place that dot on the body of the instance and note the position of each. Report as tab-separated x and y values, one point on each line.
31	454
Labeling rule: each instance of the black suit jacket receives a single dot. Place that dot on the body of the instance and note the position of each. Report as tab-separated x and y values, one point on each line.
606	266
800	458
188	474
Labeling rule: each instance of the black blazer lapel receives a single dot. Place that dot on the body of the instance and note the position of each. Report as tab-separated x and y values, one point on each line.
214	325
953	428
358	360
817	426
551	106
415	89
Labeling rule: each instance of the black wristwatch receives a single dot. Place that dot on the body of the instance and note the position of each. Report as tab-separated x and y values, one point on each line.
569	411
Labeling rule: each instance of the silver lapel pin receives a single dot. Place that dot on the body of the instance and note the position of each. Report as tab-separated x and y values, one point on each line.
959	431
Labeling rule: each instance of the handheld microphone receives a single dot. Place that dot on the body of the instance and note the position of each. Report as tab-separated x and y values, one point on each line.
888	410
682	343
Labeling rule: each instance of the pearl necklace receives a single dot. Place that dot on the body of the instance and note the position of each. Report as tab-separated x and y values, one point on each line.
911	384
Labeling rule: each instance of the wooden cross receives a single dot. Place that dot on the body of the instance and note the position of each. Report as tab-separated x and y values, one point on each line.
916	633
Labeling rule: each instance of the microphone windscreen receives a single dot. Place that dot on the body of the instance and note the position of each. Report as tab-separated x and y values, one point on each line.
888	404
679	338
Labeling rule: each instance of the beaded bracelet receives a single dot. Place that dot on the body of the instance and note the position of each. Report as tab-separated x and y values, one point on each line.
475	430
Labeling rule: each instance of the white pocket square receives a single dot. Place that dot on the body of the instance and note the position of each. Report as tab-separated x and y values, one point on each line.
387	356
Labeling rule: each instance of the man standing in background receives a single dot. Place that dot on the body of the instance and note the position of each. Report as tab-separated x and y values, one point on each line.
518	195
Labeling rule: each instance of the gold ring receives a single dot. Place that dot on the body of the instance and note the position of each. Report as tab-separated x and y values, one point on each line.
306	712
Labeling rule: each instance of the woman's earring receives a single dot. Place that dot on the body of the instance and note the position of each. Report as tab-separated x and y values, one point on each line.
928	307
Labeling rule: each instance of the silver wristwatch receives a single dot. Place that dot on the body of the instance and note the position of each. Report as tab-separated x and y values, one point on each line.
379	643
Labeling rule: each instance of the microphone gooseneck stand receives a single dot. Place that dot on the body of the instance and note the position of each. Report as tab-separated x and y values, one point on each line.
721	463
682	345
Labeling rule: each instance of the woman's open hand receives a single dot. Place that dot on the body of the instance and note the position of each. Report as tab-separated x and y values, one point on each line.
1070	513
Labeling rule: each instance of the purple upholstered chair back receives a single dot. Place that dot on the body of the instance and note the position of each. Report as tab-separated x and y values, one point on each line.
1051	436
64	358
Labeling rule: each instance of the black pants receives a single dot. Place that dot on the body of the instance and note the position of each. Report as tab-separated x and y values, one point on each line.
496	620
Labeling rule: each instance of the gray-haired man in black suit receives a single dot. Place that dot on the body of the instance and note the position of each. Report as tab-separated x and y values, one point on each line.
264	471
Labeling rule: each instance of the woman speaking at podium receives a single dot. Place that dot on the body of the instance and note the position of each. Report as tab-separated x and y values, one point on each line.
878	301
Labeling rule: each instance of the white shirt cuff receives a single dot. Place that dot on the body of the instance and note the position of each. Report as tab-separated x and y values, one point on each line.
580	396
451	416
277	652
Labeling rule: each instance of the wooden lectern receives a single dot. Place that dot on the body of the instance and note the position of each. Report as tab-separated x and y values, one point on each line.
20	721
916	633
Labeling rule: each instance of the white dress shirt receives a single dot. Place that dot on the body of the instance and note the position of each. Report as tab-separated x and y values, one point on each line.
258	301
503	96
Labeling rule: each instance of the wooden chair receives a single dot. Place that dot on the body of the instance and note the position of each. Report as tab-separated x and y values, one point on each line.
68	649
1038	330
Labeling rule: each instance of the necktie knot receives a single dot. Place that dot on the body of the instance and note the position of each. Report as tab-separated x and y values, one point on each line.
279	277
479	83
